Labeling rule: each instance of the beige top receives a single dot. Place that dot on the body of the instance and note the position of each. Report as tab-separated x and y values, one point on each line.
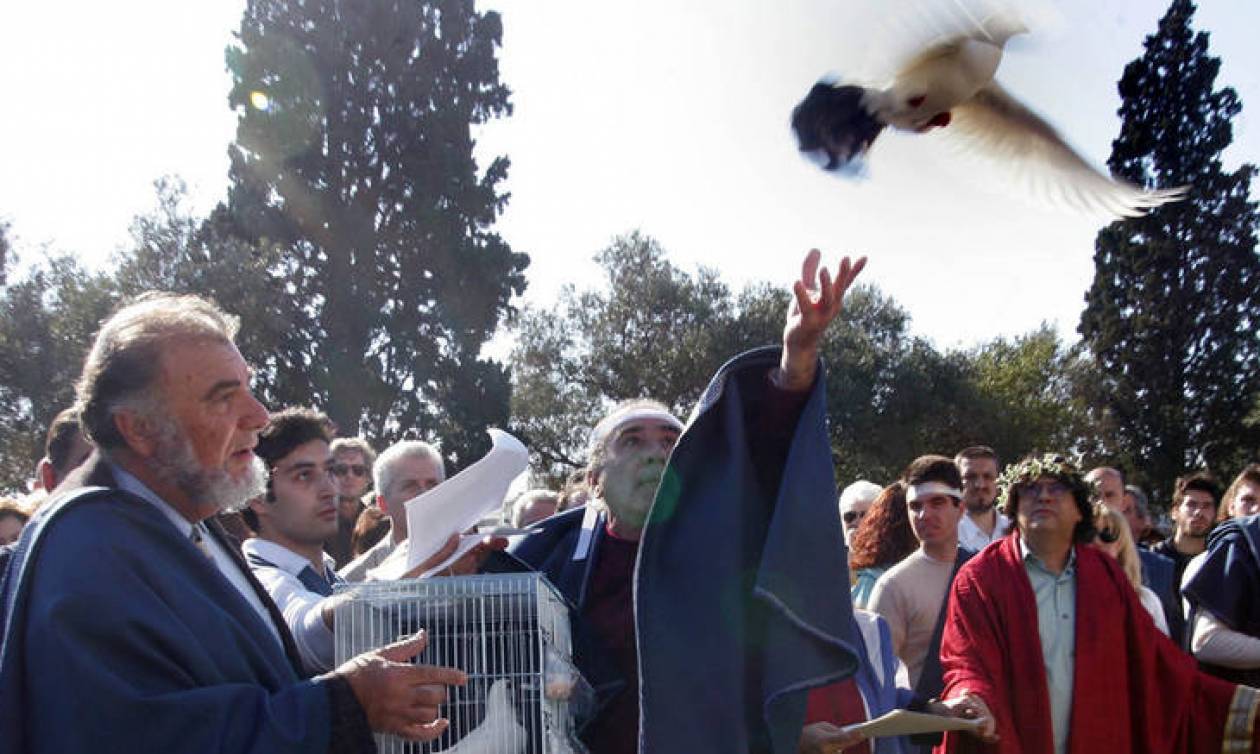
910	596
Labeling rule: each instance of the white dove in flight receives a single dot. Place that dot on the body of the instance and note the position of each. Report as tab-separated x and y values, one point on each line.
948	84
499	731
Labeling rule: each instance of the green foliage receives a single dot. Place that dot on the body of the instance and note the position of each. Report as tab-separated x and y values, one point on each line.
354	162
653	330
174	250
1171	315
48	317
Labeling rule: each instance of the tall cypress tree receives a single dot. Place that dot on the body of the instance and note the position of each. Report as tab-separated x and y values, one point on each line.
1172	314
354	150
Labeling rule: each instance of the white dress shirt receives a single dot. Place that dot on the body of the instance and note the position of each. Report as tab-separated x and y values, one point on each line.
972	537
302	609
227	565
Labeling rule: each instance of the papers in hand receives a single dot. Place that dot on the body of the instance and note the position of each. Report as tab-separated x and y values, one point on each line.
901	722
456	505
395	566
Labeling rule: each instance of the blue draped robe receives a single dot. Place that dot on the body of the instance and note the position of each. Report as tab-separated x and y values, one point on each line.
741	601
121	636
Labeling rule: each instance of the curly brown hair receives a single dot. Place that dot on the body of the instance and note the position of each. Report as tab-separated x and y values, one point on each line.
884	536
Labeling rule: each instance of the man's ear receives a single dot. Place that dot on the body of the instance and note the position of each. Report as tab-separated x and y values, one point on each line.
381	505
47	474
137	430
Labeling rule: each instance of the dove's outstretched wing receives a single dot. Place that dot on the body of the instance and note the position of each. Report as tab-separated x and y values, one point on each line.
896	34
997	127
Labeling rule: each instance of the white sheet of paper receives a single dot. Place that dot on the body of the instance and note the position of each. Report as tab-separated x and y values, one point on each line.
394	566
457	504
466	543
900	722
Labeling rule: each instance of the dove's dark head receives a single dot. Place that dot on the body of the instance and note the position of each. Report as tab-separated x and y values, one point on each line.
832	120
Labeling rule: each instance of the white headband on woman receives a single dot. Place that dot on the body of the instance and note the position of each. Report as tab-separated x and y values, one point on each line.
619	419
923	489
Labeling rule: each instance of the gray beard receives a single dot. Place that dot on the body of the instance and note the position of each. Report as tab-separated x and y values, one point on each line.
175	463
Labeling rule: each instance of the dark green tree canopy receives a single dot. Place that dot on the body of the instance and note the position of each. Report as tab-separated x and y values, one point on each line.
354	153
1171	314
48	315
654	330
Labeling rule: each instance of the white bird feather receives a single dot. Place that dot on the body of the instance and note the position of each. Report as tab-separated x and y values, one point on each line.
996	125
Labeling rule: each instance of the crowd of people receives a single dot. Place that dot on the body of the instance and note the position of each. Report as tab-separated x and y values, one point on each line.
175	587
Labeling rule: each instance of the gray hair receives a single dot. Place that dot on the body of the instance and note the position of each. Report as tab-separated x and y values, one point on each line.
860	491
1140	500
529	496
383	468
354	443
121	371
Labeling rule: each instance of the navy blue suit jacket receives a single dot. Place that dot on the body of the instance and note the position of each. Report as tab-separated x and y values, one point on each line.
1157	575
549	550
121	636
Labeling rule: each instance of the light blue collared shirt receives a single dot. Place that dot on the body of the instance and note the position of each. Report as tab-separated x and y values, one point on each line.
302	609
1056	626
225	563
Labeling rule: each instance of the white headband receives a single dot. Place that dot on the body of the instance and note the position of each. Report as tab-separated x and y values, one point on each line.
616	421
923	489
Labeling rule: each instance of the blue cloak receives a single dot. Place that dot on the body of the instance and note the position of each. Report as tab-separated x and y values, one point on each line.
1227	586
120	636
741	596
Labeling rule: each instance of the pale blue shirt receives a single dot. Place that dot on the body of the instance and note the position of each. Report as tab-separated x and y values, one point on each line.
226	564
302	609
1055	595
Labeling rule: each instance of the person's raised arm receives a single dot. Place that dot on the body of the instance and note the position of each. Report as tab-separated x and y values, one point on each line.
817	301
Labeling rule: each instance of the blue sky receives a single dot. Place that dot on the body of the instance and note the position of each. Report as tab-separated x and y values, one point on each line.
660	115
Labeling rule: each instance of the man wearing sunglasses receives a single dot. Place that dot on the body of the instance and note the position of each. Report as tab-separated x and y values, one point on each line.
352	469
1050	635
855	501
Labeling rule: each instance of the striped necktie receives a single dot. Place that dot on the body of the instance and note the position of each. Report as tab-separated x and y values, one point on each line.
200	537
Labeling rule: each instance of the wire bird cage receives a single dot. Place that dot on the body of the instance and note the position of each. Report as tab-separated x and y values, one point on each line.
508	632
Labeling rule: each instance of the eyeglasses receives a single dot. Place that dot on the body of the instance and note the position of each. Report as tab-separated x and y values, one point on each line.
1108	536
851	516
341	469
1034	490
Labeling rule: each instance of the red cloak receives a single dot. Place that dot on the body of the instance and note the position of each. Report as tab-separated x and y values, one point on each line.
1133	690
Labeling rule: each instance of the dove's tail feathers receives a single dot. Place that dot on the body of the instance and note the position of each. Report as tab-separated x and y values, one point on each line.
1150	199
836	122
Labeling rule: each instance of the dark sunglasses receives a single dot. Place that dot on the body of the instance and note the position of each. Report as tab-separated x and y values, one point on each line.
341	469
851	516
1109	536
1033	490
